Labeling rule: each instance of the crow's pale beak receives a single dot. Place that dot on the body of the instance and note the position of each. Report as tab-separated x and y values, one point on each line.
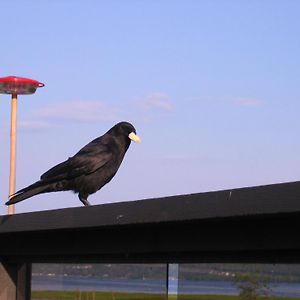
134	137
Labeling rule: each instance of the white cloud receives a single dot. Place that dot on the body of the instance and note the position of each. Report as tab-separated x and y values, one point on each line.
235	100
159	100
34	124
178	157
56	114
152	106
78	111
245	101
72	111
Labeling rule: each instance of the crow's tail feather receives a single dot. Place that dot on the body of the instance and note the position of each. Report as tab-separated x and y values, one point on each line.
38	187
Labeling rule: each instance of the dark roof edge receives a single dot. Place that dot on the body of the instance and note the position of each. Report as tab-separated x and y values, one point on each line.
263	200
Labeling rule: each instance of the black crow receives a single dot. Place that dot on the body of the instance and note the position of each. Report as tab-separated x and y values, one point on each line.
88	170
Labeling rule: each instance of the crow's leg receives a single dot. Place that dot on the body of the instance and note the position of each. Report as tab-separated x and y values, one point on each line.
83	199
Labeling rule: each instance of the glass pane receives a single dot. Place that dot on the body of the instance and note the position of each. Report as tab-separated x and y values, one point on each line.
238	281
172	281
99	281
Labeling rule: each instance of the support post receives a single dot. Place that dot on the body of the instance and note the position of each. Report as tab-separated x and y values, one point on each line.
167	280
15	281
13	142
172	281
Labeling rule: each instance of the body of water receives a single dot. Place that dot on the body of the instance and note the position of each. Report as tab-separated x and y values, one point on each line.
207	287
72	283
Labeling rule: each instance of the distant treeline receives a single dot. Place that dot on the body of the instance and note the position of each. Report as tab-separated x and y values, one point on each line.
275	273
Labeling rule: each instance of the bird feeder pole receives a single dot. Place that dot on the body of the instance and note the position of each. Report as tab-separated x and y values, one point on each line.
15	86
13	150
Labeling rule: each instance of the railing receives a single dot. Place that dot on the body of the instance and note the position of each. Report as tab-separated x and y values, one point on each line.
256	224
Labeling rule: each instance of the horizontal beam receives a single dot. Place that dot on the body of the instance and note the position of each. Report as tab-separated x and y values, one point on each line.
255	224
250	201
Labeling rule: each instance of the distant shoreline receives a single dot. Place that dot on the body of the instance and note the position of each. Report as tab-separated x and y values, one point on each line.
207	287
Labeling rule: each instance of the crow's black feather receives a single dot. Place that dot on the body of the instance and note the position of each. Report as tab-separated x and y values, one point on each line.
88	170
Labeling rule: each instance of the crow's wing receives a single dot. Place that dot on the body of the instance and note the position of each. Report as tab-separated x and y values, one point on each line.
89	159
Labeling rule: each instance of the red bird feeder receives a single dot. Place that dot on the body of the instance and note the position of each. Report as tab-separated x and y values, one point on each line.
18	85
15	86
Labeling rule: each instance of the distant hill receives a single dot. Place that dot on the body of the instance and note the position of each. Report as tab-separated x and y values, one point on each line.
282	272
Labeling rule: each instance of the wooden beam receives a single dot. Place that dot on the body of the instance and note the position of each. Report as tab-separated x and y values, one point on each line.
7	283
255	224
15	281
242	202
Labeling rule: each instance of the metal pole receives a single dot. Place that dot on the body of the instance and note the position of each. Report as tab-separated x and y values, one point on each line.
13	142
167	280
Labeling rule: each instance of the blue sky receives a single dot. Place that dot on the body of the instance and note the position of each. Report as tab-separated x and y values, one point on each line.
212	88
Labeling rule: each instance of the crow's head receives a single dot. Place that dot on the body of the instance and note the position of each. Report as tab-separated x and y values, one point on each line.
125	129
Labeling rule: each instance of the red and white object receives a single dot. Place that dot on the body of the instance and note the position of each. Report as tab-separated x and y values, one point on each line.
15	86
18	85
